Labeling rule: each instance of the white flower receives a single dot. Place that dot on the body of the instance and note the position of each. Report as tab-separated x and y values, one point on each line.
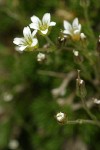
28	41
41	57
73	30
61	117
42	25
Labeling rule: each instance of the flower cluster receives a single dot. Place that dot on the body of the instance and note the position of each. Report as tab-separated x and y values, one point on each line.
30	41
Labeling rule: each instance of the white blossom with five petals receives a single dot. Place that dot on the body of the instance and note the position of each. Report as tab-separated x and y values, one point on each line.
28	41
42	25
73	30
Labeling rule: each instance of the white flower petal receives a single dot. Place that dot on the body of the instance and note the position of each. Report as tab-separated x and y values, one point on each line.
27	33
75	23
17	49
44	31
67	32
22	48
76	32
52	23
34	33
46	18
34	43
34	26
79	27
35	19
18	41
67	25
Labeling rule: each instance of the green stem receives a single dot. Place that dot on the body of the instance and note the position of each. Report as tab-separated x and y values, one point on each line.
88	22
49	41
83	121
93	117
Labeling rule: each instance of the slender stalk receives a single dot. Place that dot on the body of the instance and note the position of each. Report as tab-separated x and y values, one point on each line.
52	73
49	41
83	121
92	116
88	22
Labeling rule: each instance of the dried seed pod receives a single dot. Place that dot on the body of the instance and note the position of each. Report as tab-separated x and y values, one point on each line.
80	86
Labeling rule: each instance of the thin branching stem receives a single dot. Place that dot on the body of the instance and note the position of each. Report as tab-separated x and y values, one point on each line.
49	41
92	116
83	121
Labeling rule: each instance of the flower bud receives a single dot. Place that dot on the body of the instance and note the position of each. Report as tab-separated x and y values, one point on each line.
41	57
61	117
82	36
77	57
96	101
76	53
62	40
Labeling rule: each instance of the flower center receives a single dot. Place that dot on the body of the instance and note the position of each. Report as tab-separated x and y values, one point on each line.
43	27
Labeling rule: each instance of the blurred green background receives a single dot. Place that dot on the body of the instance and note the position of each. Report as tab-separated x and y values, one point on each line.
27	106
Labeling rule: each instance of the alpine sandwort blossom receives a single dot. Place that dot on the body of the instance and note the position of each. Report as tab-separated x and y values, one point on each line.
42	25
74	30
29	40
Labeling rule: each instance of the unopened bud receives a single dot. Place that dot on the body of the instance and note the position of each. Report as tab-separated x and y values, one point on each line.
96	101
83	36
61	117
76	53
41	57
62	39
